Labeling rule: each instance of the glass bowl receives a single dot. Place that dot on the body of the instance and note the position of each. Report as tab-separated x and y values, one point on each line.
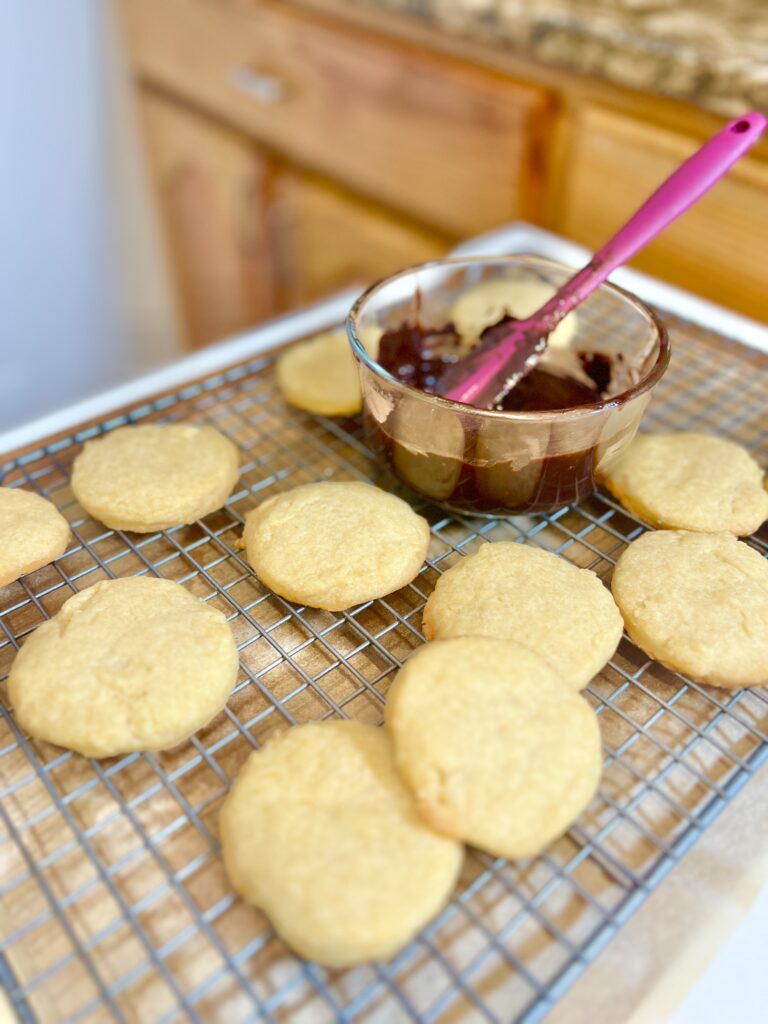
486	462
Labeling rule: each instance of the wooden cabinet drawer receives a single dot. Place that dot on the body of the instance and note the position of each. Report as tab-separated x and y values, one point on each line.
326	239
717	248
453	145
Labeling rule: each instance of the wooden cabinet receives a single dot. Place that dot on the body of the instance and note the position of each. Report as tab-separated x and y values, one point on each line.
326	238
716	248
211	189
296	151
451	144
248	236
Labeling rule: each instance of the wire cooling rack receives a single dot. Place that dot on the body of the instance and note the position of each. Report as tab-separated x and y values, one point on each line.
114	904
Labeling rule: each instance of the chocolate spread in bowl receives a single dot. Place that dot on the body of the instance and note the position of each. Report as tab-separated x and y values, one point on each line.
482	477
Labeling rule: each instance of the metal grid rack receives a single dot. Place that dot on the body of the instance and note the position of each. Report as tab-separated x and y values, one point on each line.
113	899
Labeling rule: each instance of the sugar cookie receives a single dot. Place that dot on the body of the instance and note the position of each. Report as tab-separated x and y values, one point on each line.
497	750
130	664
320	375
321	833
335	545
151	477
486	303
698	603
691	482
437	473
32	533
519	592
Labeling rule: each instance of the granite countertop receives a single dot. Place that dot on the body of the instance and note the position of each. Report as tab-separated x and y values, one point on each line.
710	52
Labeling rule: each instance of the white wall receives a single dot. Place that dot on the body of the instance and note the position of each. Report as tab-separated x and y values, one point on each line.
84	301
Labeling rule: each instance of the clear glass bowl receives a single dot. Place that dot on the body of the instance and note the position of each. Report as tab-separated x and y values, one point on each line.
493	463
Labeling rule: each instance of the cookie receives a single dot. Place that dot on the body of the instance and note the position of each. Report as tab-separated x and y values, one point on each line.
497	750
512	591
486	303
335	545
691	482
508	471
433	468
126	665
321	833
154	476
320	375
698	603
32	533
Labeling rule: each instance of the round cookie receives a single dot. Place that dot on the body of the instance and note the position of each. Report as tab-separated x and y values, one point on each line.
321	833
486	304
518	592
320	375
497	750
698	603
130	664
32	533
691	482
437	473
151	477
334	545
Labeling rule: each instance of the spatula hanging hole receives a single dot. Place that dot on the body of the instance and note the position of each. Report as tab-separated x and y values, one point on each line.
740	127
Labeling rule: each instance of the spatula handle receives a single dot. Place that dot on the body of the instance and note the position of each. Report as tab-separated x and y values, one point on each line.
482	373
681	189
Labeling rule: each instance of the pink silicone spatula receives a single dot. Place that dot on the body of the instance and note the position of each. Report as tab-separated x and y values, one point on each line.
485	376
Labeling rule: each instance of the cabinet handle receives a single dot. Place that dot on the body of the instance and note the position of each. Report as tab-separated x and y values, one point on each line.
258	85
